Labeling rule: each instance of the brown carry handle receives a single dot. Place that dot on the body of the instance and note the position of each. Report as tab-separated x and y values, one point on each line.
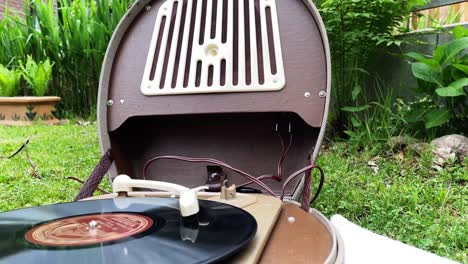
92	183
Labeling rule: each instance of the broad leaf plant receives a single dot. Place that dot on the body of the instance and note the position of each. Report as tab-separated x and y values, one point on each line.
443	82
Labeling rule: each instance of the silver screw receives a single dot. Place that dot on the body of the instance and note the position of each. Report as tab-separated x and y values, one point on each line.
110	103
322	94
93	225
307	94
147	8
291	219
122	101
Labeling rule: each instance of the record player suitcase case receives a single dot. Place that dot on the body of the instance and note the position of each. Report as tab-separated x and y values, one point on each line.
245	82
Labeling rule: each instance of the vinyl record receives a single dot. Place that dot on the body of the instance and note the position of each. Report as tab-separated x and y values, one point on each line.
125	230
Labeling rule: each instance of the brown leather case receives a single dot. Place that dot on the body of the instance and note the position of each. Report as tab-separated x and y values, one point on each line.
236	128
298	237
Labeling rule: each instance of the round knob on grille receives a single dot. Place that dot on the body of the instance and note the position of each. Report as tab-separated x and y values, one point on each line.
211	50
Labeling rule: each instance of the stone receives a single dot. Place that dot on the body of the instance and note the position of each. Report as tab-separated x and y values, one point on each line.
83	123
373	166
437	168
450	148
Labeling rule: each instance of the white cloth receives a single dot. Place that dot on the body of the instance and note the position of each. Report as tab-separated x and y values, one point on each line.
361	246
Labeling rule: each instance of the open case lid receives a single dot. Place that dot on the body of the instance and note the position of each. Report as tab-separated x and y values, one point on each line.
215	79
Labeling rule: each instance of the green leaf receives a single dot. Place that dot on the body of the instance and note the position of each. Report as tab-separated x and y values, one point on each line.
417	115
460	32
461	67
356	122
452	49
423	58
425	72
449	92
9	80
37	75
356	91
439	53
416	56
355	109
454	89
436	118
361	70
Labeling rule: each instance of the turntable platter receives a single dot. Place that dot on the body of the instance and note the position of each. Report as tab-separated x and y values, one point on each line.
123	230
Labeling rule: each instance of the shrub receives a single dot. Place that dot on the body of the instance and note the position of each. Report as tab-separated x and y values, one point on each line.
442	83
37	75
9	80
72	33
374	123
356	29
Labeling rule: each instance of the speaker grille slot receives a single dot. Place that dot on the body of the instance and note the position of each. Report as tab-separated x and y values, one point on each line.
214	46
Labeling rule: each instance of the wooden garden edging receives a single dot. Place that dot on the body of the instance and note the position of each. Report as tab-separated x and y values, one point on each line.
438	3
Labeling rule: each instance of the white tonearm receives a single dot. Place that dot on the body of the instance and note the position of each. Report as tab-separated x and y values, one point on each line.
188	198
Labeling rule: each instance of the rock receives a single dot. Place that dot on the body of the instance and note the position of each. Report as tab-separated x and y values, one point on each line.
450	148
400	156
83	123
401	142
373	166
64	121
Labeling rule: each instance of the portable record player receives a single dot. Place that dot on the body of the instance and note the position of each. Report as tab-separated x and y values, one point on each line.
196	92
216	110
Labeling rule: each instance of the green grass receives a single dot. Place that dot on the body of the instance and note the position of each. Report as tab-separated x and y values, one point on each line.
58	151
406	200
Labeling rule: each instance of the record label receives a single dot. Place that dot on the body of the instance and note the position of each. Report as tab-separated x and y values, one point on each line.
89	229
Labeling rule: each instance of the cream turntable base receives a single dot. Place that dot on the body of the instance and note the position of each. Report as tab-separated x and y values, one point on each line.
285	232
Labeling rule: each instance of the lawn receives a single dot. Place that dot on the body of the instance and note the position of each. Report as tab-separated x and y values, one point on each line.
405	200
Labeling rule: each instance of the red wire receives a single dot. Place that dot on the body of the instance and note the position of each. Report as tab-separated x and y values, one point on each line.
250	177
279	176
297	173
257	180
283	156
263	177
212	161
279	167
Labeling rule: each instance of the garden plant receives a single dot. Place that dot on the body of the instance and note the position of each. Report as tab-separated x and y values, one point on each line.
443	82
37	75
356	30
74	35
9	81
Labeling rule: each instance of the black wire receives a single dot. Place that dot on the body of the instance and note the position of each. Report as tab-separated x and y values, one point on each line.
17	151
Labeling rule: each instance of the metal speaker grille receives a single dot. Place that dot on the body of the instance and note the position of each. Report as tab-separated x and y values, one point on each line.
214	46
